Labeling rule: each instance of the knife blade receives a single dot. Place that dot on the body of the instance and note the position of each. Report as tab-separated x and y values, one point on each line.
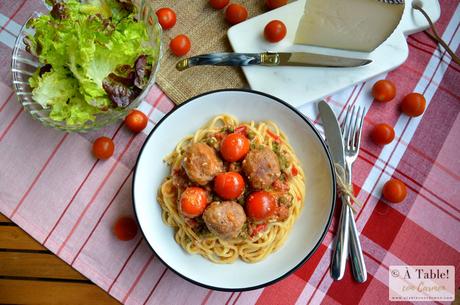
335	143
332	132
271	60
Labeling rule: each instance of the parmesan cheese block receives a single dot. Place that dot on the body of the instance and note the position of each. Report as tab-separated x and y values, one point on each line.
358	25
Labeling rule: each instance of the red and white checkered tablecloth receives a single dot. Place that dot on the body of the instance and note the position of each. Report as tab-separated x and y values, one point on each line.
53	188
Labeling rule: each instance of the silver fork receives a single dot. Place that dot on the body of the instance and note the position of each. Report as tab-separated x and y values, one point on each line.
352	128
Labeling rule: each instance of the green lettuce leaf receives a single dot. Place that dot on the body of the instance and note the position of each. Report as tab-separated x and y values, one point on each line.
83	44
60	93
53	87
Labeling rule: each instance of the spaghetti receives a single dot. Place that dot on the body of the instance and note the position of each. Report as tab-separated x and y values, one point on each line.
256	240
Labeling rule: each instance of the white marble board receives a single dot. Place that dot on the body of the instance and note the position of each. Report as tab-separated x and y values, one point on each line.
299	85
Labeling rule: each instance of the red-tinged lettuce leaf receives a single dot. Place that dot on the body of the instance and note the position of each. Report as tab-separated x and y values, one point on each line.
59	11
127	5
127	80
124	70
44	69
143	71
118	91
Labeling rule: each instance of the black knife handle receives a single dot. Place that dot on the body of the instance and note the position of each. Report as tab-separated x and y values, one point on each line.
220	59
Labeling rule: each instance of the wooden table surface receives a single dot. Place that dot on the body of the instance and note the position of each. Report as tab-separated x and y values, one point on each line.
30	274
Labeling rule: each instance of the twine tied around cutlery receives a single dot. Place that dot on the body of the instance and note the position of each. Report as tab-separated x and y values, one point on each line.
344	187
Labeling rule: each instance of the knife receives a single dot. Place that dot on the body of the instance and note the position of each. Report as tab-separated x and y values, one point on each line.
335	143
271	60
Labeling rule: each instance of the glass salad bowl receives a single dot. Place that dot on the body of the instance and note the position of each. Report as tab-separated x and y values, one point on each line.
24	65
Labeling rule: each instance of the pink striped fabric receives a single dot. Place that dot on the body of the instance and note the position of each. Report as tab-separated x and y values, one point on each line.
53	188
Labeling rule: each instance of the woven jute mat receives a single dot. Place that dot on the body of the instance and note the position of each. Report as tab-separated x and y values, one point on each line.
207	30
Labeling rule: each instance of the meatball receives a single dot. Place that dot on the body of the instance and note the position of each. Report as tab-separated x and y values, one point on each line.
225	219
201	163
262	167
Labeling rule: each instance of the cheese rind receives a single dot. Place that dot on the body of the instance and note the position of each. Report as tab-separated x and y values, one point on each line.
358	25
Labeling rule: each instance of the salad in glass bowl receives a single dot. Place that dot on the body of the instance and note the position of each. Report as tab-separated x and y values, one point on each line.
86	64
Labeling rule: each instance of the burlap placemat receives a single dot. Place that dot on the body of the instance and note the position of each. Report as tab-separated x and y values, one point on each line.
207	30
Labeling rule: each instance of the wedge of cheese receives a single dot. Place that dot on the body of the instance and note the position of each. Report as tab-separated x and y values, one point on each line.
358	25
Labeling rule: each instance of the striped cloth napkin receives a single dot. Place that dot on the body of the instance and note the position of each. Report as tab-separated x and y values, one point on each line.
53	188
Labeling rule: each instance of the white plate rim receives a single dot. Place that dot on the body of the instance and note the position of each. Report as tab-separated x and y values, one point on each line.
331	168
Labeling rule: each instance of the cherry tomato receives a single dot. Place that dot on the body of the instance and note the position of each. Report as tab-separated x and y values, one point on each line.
218	4
236	13
394	191
275	31
272	4
136	121
384	90
166	17
193	201
260	206
383	134
234	147
229	185
125	228
103	148
413	104
180	45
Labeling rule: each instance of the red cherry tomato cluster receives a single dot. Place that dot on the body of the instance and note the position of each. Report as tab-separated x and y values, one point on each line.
179	45
103	147
234	147
235	13
413	105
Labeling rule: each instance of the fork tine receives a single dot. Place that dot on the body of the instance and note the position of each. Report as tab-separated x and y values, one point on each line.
344	123
354	128
360	127
345	129
350	132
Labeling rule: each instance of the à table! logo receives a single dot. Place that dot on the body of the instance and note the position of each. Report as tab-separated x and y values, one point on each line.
421	283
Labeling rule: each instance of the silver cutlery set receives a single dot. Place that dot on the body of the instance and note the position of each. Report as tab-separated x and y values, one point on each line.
344	147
